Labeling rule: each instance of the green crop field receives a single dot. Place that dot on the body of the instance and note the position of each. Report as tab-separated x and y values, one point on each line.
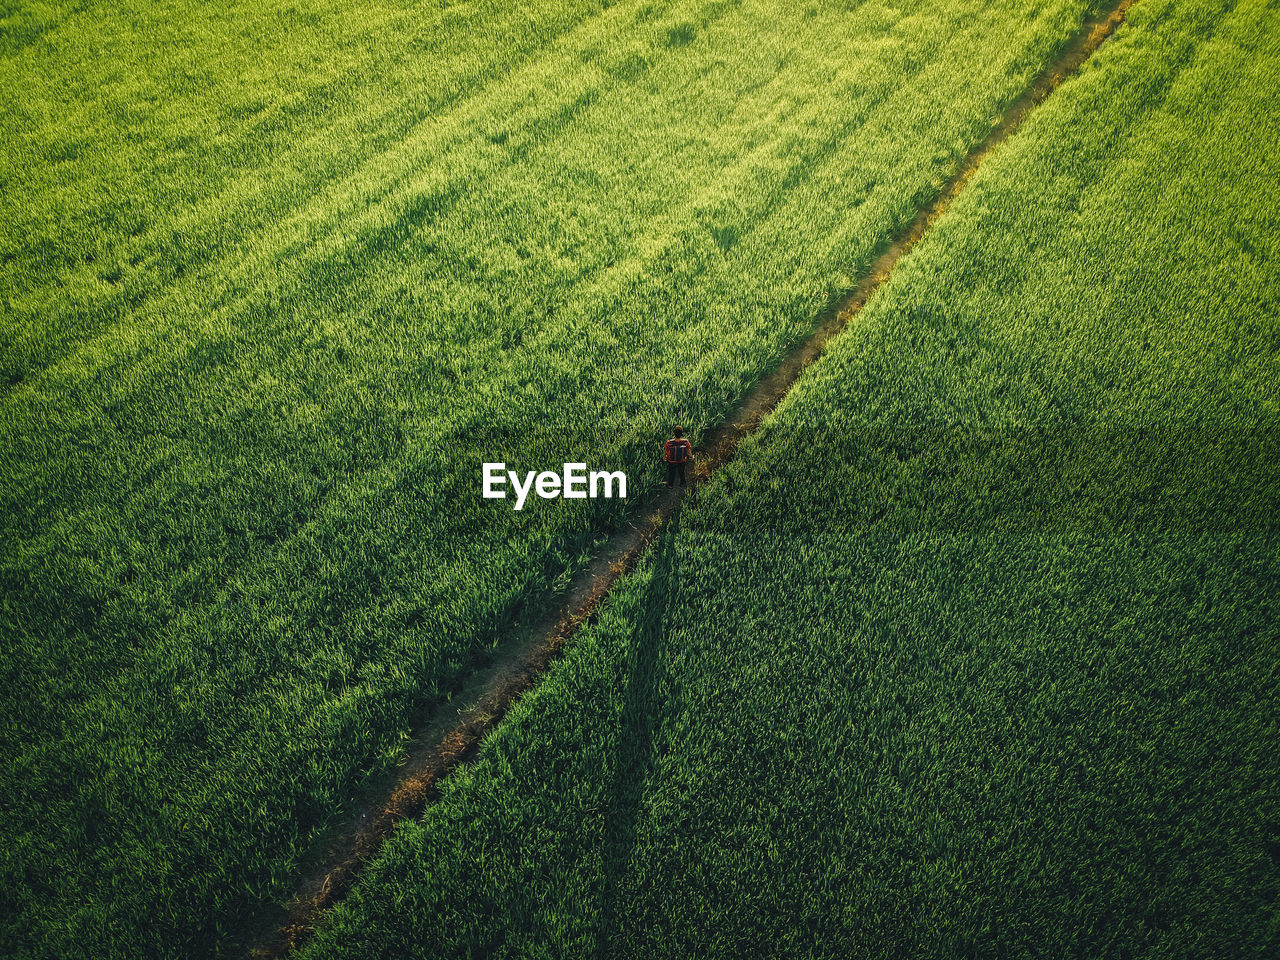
278	278
973	649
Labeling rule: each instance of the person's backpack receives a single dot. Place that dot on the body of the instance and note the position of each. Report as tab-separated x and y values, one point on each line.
679	451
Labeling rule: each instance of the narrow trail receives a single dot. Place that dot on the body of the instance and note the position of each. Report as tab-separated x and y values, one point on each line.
451	737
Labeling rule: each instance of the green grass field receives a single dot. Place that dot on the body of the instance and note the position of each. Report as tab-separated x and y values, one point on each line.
278	280
973	651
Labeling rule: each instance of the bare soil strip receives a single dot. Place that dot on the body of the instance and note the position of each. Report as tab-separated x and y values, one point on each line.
452	737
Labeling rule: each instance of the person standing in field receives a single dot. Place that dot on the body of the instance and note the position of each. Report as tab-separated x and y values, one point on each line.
676	452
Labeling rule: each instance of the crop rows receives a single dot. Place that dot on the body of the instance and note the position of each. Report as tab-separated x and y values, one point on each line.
279	278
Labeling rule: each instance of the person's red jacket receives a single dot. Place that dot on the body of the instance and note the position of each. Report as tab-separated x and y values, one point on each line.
677	450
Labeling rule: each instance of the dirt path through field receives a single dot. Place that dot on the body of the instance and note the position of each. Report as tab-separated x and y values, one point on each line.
452	736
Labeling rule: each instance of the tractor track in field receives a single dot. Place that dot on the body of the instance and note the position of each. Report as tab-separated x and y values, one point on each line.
453	737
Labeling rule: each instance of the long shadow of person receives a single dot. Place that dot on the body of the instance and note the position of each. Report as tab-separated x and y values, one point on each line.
640	717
